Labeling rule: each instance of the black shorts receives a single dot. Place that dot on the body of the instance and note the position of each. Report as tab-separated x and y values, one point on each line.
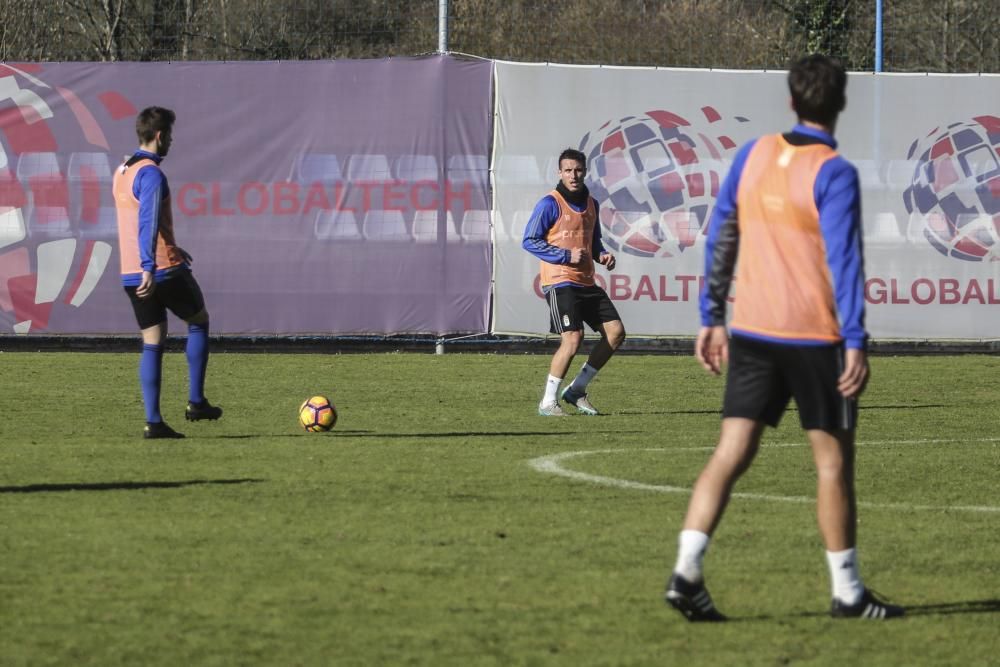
571	306
180	294
763	376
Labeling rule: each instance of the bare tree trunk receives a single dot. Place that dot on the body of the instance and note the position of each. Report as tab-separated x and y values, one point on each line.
186	32
113	10
224	16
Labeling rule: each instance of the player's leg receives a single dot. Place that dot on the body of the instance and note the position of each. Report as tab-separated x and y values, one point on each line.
836	512
738	444
183	296
755	397
151	316
612	336
565	321
569	344
151	369
601	314
196	351
833	453
830	421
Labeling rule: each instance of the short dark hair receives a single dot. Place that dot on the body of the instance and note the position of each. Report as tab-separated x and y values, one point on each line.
573	154
818	85
152	120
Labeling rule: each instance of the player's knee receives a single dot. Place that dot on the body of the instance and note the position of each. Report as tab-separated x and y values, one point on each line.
571	341
831	468
616	335
155	334
200	317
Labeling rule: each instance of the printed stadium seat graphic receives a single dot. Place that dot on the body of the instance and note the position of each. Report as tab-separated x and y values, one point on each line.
476	226
467	168
518	170
385	226
883	230
318	167
365	167
416	168
91	205
12	202
47	195
425	227
336	225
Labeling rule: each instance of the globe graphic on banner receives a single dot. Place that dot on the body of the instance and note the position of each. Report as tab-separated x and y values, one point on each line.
954	194
657	177
57	223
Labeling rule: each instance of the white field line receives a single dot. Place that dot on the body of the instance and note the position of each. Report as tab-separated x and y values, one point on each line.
553	464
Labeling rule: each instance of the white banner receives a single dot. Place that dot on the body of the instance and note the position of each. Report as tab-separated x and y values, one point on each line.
659	142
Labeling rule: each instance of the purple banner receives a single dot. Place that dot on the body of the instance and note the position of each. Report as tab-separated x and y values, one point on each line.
327	197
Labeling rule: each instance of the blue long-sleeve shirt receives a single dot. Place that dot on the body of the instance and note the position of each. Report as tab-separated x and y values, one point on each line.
150	188
543	217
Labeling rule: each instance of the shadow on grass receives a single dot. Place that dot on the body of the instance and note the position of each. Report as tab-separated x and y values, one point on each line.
946	608
246	436
791	408
904	407
484	434
368	433
269	436
120	486
713	411
934	609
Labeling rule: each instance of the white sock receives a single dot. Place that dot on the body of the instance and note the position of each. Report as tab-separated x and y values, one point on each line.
551	390
581	381
844	575
692	545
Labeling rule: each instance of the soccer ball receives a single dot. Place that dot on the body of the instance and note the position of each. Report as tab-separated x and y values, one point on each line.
657	177
954	193
317	414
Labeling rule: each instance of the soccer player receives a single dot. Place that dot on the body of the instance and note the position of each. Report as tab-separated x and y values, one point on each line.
156	272
563	232
790	210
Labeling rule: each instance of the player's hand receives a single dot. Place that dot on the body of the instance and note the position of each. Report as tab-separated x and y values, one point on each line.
147	286
854	379
608	260
712	348
577	255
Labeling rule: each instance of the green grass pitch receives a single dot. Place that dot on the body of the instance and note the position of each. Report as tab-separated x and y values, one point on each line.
420	532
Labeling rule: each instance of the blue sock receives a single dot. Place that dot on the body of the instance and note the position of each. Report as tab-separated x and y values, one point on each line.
150	372
197	356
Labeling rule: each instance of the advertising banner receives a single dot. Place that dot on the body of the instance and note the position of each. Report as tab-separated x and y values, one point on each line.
316	197
659	142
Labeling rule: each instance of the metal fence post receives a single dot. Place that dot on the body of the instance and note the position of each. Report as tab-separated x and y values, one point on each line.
443	26
878	35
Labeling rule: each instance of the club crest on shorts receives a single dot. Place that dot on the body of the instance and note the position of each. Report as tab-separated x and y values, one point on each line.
565	320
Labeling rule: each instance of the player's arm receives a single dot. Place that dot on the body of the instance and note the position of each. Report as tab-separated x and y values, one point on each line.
597	243
837	194
536	232
711	347
148	189
838	198
721	246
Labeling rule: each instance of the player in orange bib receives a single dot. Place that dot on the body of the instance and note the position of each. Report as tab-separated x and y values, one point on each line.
156	273
788	222
564	234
